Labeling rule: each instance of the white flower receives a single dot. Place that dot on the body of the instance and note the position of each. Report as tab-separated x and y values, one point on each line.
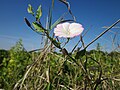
68	30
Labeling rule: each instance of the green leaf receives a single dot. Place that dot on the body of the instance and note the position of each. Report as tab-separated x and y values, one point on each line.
80	54
38	27
30	9
52	3
66	68
57	22
39	13
49	86
49	18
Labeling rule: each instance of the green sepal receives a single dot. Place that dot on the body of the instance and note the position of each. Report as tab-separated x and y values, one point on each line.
57	44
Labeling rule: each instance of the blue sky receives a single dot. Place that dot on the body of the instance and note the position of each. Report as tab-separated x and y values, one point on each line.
95	13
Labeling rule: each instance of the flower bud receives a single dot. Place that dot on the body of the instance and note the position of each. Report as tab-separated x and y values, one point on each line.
27	22
64	51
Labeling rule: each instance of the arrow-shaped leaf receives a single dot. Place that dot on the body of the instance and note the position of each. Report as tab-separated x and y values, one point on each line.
30	9
38	13
38	27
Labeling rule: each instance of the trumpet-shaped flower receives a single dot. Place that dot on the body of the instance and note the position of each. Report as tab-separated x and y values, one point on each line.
68	30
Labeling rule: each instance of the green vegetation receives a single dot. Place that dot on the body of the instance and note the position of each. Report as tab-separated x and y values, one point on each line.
52	71
13	65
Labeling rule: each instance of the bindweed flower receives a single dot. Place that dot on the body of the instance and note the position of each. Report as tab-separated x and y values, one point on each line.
68	30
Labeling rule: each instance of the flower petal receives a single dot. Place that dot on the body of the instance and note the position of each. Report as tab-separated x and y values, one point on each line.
62	29
68	30
76	29
66	26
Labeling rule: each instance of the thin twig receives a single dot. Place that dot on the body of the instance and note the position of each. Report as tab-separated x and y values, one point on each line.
103	33
87	31
66	42
80	39
75	46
